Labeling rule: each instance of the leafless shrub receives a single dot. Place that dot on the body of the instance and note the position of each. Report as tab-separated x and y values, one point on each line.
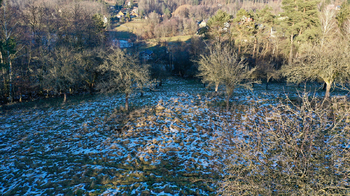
289	149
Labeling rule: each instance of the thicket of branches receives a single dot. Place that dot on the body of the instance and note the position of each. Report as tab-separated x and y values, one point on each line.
223	65
44	45
289	149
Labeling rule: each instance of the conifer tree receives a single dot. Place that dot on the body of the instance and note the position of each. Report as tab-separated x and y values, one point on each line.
9	46
217	24
266	21
243	29
343	15
128	16
299	22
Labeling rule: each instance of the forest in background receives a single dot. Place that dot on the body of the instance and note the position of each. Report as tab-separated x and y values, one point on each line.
59	47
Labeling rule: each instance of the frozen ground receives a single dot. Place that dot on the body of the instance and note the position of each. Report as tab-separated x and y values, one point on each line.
168	146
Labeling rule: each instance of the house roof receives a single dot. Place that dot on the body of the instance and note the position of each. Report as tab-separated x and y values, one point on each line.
120	13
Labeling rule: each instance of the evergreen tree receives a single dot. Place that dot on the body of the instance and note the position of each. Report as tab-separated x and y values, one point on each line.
9	46
217	24
299	22
99	25
167	12
343	15
266	21
243	29
128	16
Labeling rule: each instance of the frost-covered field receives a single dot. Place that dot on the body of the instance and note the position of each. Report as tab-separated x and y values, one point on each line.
166	146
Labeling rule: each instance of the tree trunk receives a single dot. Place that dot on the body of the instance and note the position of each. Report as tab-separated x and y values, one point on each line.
10	73
216	87
267	85
126	101
324	86
4	78
328	88
266	49
254	49
20	94
228	96
91	88
290	51
64	97
227	102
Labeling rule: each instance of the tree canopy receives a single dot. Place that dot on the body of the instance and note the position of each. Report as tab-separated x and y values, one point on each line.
330	63
223	65
122	72
218	24
299	21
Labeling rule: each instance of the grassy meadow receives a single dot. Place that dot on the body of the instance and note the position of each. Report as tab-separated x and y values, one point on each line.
171	142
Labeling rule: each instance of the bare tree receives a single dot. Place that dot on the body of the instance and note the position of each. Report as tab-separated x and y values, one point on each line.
329	63
9	46
89	61
62	71
122	72
266	69
223	66
328	25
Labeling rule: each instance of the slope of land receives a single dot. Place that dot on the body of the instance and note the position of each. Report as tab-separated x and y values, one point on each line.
168	144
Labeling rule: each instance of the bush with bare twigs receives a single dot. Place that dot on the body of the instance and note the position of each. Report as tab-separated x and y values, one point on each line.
290	149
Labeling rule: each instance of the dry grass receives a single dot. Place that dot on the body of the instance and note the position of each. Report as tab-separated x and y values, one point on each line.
180	38
133	26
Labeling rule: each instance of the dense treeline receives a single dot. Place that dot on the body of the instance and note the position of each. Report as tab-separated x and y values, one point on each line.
57	47
48	46
199	7
305	42
169	18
